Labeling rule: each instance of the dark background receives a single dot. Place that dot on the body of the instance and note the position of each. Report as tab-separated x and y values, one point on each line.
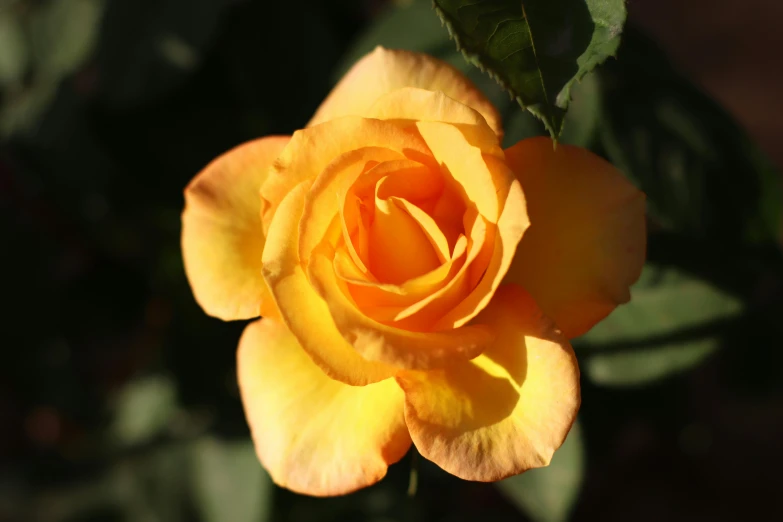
117	393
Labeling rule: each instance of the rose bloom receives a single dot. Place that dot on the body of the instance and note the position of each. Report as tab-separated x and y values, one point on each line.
418	284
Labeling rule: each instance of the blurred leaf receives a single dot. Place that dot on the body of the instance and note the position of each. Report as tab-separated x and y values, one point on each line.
50	41
702	175
63	35
25	107
154	487
536	49
149	48
549	494
144	487
229	482
414	27
584	113
143	409
14	55
673	321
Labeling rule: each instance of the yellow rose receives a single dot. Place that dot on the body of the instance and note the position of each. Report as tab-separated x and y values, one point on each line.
417	282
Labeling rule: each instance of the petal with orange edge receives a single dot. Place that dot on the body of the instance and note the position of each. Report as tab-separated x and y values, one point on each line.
384	71
222	237
315	435
586	242
302	309
506	411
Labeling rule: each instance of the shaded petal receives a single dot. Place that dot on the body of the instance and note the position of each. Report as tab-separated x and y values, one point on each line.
466	164
315	435
302	309
222	236
511	226
586	242
384	71
506	411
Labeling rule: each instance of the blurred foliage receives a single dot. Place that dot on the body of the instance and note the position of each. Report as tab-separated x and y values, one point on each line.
118	396
673	320
548	494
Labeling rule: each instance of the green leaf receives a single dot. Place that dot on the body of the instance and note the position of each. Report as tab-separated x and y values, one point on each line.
549	494
64	33
673	321
536	49
229	482
702	175
14	54
143	409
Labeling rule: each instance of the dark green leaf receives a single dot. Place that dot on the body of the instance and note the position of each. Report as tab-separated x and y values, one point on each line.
702	175
536	49
548	494
672	323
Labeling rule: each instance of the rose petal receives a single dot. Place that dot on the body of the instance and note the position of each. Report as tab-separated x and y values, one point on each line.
506	411
384	71
586	243
315	435
222	236
311	150
425	313
510	228
410	105
379	342
326	195
427	225
404	178
399	248
464	163
369	294
303	311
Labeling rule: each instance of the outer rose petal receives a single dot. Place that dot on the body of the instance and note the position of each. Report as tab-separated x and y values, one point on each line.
384	71
410	105
222	237
313	434
506	411
586	242
303	311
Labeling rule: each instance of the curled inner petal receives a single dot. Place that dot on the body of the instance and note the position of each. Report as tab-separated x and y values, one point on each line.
399	247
